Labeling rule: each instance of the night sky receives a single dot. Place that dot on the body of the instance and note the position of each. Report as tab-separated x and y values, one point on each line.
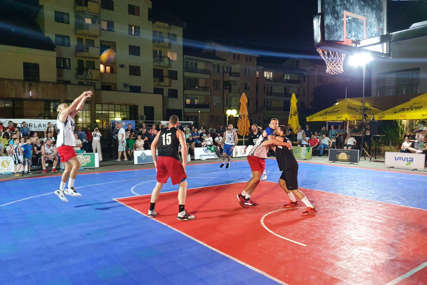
273	25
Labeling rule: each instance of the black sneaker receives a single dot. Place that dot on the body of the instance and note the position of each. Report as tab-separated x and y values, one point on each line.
222	165
228	165
249	202
184	216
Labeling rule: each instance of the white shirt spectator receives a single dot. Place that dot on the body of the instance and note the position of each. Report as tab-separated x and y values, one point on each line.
326	141
406	145
218	139
208	141
121	136
351	141
299	135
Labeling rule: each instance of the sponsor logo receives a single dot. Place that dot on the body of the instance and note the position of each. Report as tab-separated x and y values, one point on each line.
407	160
342	156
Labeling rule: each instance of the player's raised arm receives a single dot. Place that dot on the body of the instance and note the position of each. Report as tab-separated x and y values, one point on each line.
65	110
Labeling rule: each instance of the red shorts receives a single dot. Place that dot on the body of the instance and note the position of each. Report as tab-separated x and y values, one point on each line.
66	152
256	163
170	167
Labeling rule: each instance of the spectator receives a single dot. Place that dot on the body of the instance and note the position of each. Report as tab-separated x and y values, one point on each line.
1	127
89	139
28	154
96	142
50	129
139	143
304	141
24	129
11	129
121	136
79	144
34	137
4	141
350	142
16	152
313	142
300	134
145	137
130	130
153	131
207	140
407	146
129	145
82	136
49	137
37	152
325	144
49	155
332	133
323	131
307	131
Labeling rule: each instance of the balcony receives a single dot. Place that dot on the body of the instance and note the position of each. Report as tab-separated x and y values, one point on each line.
235	76
196	106
108	77
196	90
162	81
91	75
88	6
88	30
84	51
196	72
163	61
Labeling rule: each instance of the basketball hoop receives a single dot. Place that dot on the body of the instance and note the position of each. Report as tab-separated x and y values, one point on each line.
333	58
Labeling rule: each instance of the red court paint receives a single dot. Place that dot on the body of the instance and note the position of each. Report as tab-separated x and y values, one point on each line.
350	240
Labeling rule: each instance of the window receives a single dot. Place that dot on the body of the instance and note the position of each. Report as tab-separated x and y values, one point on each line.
90	43
172	55
216	84
107	4
172	38
268	75
31	71
61	17
172	74
134	70
173	93
158	91
107	25
134	50
61	40
135	88
158	74
63	63
134	30
158	37
90	64
89	21
133	10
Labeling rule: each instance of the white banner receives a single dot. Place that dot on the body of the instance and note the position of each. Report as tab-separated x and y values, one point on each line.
203	153
6	165
142	157
38	125
239	150
405	160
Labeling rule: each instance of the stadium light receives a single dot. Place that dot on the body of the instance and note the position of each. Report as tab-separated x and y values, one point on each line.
360	59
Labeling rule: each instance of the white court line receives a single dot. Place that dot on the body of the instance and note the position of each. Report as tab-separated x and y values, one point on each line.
208	246
407	274
50	193
273	233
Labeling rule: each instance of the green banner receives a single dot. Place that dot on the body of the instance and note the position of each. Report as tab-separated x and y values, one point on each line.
87	160
302	152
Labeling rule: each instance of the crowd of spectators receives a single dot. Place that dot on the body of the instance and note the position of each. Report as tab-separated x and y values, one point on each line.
415	141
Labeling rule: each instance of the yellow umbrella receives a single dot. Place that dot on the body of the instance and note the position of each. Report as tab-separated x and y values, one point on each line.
243	123
344	110
414	109
293	120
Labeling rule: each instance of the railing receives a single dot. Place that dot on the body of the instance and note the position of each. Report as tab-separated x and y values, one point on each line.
85	51
163	61
198	88
197	106
197	70
88	29
91	6
91	74
235	74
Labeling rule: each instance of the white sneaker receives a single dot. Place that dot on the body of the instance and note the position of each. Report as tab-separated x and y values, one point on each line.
152	213
72	192
61	195
184	216
264	176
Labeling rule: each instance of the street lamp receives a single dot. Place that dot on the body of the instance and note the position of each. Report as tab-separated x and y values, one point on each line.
231	112
361	59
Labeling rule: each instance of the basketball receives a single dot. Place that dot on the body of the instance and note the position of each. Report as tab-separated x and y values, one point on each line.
108	56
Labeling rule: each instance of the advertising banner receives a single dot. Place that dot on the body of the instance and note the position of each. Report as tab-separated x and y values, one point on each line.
6	165
88	160
302	152
405	160
37	125
142	157
344	155
204	153
239	151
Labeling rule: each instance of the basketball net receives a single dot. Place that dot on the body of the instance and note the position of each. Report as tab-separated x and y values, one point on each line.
333	58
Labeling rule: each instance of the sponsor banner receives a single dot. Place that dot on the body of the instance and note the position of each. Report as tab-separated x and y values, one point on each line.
38	125
125	124
142	157
204	153
344	155
302	152
405	160
6	165
88	160
239	150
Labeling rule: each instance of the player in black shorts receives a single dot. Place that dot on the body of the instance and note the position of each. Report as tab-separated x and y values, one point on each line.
289	178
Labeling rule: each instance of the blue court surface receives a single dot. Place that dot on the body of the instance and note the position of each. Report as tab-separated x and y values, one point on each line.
96	240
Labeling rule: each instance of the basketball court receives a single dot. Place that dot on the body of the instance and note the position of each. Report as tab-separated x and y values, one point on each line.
370	229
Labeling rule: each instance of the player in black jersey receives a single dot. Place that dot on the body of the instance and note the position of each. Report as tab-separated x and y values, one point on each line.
167	144
289	178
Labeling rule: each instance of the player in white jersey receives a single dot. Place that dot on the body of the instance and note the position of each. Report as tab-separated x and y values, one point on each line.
229	140
65	144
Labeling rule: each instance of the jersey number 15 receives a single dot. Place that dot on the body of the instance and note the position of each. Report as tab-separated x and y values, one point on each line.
167	139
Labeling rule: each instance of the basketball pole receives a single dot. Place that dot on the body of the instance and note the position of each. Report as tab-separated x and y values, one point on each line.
363	109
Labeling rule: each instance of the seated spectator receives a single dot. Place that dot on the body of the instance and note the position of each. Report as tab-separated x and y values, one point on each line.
139	143
50	129
49	154
24	129
207	140
79	144
325	144
304	141
49	137
129	144
350	142
34	137
313	142
146	138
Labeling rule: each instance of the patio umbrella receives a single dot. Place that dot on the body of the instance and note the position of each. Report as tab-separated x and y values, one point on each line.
293	120
414	109
243	123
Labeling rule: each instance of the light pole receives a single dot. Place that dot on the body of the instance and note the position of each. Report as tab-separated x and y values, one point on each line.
362	60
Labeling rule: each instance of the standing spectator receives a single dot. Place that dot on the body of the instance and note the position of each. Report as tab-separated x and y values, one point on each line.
307	131
89	139
129	129
79	144
332	133
129	144
24	129
121	136
96	142
37	152
34	137
300	134
340	137
323	131
49	154
49	137
82	136
28	154
16	152
50	129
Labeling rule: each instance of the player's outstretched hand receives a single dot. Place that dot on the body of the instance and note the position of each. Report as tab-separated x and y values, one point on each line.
88	93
